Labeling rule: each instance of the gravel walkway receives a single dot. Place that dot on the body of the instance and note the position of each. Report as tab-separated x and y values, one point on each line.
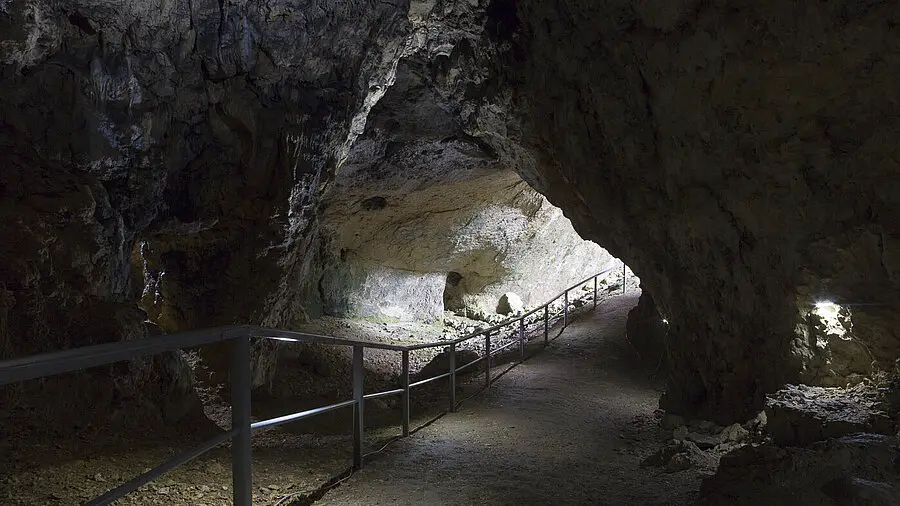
569	426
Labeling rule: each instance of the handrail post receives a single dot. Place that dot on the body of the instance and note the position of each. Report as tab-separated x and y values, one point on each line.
487	360
452	377
358	371
241	445
624	280
404	397
546	325
566	309
595	292
522	340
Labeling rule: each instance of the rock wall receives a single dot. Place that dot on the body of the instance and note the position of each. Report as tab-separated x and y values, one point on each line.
646	330
171	153
427	217
361	290
737	155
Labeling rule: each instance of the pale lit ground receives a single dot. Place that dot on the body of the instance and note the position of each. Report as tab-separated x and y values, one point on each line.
570	426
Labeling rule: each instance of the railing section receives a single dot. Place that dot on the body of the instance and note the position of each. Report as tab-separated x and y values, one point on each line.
60	362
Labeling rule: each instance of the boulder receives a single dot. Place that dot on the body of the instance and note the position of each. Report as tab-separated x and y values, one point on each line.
510	303
799	414
859	469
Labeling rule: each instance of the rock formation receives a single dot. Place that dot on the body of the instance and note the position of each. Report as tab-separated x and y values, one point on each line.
176	148
737	155
423	217
856	469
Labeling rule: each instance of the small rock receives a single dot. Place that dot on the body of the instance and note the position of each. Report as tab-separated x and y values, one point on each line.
734	433
204	488
704	427
679	456
163	491
798	415
758	422
99	477
704	441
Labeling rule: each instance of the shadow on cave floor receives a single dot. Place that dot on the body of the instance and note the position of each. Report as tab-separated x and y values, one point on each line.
569	426
298	459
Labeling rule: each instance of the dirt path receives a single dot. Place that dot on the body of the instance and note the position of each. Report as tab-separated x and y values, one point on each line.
569	426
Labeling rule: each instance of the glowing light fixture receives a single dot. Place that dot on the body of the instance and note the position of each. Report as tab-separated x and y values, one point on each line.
665	321
288	339
825	304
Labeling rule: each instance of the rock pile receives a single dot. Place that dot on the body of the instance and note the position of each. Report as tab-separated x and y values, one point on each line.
799	414
700	444
858	469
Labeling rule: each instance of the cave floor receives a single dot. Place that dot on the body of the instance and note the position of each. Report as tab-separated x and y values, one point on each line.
569	426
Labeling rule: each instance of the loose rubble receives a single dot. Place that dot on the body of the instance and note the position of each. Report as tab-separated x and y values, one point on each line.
859	469
699	444
799	414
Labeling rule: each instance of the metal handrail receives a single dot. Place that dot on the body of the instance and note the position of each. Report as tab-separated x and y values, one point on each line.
60	362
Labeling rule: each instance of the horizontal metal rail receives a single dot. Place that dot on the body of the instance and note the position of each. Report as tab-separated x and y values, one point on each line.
60	362
386	393
429	380
501	348
145	478
470	364
301	415
304	337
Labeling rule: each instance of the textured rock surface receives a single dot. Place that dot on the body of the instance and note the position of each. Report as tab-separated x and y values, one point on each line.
739	156
800	415
177	146
680	455
418	196
510	303
372	291
646	330
736	154
858	469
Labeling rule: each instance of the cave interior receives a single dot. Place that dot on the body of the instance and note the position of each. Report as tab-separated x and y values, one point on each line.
418	170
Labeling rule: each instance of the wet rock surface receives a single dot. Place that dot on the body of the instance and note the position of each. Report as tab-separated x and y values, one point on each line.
859	469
